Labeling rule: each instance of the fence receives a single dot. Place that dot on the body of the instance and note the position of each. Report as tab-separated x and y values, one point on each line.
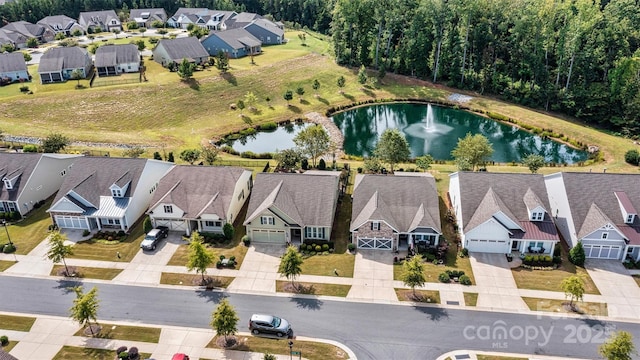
99	82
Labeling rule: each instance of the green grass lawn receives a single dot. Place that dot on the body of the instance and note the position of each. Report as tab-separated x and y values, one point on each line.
124	332
98	250
426	296
5	264
324	265
193	279
551	305
10	346
315	288
29	232
470	299
74	353
637	279
340	233
310	350
17	323
89	272
431	271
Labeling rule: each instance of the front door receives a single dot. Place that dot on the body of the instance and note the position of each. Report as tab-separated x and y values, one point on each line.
515	245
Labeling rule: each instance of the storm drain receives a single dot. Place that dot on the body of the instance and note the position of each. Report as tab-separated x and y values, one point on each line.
463	356
453	303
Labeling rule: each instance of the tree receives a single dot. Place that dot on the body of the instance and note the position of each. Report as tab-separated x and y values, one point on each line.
288	159
32	42
619	346
372	165
222	62
190	155
341	82
58	251
209	154
59	36
162	32
362	75
54	143
77	32
158	24
170	157
27	57
250	99
240	105
300	92
157	156
413	273
224	319
424	162
533	162
472	151
228	230
632	157
290	265
185	69
134	152
141	45
573	288
147	225
392	147
132	25
116	32
143	30
577	255
288	95
316	86
199	257
313	142
85	307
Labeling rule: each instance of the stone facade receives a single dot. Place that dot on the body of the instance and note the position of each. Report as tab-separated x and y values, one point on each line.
385	232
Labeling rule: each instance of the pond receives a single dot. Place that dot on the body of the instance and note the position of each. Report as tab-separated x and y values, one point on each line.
435	130
270	141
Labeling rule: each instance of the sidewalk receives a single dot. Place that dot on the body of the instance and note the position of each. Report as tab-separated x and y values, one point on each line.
473	355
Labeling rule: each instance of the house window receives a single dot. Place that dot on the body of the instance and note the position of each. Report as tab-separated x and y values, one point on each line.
375	225
213	223
63	172
424	238
313	232
537	216
8	185
12	206
116	192
268	38
267	220
168	209
630	218
241	195
113	221
605	235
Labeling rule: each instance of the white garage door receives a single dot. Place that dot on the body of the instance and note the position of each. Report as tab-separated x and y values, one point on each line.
380	244
71	222
271	236
489	246
602	251
176	225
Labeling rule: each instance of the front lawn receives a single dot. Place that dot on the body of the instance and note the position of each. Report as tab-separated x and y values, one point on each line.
470	299
5	264
31	231
426	296
16	323
75	353
551	305
194	279
314	288
325	265
108	250
125	332
431	271
89	272
308	349
551	280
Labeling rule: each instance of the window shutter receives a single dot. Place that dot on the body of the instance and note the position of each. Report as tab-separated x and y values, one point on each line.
372	225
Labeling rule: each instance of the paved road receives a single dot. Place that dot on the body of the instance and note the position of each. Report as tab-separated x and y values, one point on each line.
372	331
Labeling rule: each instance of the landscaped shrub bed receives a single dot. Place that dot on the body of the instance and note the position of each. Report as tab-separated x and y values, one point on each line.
116	236
10	215
538	260
317	248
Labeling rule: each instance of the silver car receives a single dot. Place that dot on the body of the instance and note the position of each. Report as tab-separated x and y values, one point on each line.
269	324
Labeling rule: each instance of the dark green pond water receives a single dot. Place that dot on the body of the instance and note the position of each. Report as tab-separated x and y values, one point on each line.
435	130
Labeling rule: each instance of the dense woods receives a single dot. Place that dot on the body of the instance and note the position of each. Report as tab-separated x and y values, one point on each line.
579	57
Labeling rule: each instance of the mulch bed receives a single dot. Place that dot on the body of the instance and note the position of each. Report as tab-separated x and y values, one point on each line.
95	328
298	288
230	342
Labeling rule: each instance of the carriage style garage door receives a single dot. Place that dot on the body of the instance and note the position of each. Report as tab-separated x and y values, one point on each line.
602	251
175	225
71	222
489	246
270	236
380	244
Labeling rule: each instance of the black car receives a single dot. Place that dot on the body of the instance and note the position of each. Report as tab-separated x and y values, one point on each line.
269	324
153	238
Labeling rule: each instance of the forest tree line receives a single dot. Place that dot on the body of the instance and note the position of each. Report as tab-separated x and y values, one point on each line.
579	57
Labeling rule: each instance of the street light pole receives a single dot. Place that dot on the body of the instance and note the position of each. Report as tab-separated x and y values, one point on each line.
4	222
290	350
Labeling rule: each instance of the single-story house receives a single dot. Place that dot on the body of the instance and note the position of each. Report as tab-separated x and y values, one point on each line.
289	208
61	24
598	209
200	198
58	63
106	192
175	50
146	17
97	21
395	212
117	59
13	68
266	31
236	43
28	30
13	38
28	178
502	212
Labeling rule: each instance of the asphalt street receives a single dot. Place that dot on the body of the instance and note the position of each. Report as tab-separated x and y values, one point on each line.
372	331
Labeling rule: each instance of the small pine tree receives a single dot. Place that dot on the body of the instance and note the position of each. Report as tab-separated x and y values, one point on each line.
156	155
224	319
322	165
576	254
362	75
290	265
304	164
228	231
170	157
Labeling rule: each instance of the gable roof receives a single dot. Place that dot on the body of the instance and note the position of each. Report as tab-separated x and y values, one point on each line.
5	355
97	18
490	205
12	62
112	55
236	38
586	189
92	177
181	48
25	28
12	164
404	202
148	14
241	20
58	22
267	25
309	200
198	190
58	58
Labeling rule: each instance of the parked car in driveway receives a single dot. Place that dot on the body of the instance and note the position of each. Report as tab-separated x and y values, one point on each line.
153	238
269	324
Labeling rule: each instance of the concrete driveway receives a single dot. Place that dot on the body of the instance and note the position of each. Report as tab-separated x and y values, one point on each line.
373	276
259	269
620	291
493	275
147	266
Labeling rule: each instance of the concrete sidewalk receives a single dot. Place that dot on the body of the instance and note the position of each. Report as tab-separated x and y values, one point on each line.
473	355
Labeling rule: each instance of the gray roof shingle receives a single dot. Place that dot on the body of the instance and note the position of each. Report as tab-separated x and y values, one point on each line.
237	38
146	14
58	58
181	48
12	62
58	22
13	164
113	55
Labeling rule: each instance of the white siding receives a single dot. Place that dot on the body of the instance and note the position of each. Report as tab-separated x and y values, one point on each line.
242	184
560	208
158	211
454	196
489	230
153	171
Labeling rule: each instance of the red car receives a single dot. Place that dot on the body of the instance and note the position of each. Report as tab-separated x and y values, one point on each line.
180	357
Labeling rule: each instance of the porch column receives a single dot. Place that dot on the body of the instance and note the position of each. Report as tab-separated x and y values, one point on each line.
99	223
122	224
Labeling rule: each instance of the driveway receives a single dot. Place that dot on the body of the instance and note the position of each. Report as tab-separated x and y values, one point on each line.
373	277
147	266
259	269
616	285
493	276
